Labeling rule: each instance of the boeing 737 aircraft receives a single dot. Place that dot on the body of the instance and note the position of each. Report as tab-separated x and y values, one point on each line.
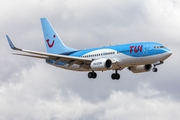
137	57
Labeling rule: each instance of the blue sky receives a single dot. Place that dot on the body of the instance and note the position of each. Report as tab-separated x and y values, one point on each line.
30	89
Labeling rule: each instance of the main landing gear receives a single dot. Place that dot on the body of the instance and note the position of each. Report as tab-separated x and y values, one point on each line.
114	76
92	75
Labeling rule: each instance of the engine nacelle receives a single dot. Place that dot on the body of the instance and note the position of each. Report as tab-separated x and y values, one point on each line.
140	68
101	64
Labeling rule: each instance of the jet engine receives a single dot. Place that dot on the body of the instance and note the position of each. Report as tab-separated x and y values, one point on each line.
140	68
101	64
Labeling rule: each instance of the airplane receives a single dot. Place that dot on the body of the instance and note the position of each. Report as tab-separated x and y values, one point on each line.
138	57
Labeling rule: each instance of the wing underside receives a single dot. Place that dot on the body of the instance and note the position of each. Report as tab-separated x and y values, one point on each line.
70	60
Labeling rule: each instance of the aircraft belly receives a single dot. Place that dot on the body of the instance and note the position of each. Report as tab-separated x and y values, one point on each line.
129	60
150	59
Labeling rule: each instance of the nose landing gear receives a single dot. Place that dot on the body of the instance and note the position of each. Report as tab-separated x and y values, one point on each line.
154	69
155	64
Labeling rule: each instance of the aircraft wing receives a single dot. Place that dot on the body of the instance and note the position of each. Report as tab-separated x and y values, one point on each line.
70	60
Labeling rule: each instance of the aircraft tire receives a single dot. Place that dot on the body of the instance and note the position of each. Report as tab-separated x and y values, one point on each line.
92	75
154	69
115	76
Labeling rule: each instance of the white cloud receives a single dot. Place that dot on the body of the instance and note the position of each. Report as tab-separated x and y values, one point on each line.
131	106
40	97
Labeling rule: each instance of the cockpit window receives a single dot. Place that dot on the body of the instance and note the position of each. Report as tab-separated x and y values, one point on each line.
157	47
162	46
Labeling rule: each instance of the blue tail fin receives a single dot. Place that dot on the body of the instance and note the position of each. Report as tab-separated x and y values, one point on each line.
52	40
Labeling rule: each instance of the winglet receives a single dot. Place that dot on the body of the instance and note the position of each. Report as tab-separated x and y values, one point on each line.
10	43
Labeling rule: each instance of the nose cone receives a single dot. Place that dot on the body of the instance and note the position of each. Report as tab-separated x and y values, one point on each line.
167	54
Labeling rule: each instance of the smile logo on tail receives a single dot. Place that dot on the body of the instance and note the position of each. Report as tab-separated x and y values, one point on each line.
52	44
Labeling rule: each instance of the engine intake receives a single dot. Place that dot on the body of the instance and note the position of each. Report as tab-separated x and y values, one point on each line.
140	68
101	64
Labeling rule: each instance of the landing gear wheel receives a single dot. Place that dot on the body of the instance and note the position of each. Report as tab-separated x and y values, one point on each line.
115	76
154	69
92	75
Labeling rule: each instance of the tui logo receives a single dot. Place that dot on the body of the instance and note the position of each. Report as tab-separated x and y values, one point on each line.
51	44
136	48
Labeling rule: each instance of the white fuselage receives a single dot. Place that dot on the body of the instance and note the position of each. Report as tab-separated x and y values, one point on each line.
120	59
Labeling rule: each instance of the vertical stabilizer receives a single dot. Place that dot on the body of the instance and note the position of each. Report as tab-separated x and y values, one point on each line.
52	40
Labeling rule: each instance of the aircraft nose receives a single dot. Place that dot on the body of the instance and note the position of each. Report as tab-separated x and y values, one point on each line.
168	53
